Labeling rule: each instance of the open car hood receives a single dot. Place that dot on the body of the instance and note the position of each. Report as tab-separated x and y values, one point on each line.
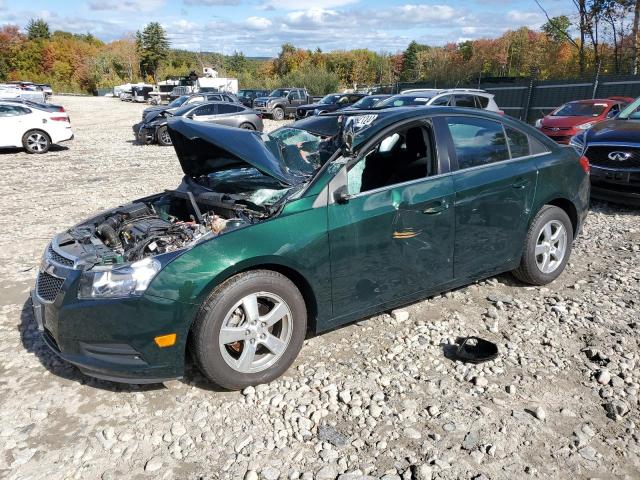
205	148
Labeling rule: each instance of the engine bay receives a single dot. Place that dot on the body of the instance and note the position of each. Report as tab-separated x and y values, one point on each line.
156	225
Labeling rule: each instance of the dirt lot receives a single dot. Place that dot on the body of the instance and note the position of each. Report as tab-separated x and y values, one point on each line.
375	399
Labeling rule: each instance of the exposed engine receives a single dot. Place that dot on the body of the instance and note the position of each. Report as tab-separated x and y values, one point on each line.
154	226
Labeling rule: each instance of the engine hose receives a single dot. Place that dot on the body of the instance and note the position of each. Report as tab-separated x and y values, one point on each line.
108	235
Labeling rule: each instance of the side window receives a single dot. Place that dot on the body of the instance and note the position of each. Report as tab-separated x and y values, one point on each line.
477	141
518	142
442	101
465	101
615	109
12	111
483	102
228	108
195	99
400	157
295	95
214	98
205	110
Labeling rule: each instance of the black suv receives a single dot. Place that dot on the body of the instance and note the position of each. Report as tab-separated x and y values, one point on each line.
247	96
613	150
329	103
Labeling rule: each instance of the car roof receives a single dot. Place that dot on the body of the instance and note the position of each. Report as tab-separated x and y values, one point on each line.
593	101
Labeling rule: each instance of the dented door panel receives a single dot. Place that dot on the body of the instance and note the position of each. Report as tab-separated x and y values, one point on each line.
391	242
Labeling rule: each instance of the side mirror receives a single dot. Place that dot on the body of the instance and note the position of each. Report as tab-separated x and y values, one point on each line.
341	195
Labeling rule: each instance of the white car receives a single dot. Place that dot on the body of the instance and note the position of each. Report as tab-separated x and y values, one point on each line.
451	97
33	126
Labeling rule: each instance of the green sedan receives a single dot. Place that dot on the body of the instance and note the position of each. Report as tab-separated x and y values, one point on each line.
315	225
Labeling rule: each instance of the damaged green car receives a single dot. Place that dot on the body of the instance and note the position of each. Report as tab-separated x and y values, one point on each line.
326	221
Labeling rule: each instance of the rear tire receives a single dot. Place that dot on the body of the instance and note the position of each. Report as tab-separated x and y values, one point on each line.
247	126
278	113
162	134
36	141
547	247
249	330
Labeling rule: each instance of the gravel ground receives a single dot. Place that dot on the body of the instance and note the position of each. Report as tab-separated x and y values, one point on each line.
376	399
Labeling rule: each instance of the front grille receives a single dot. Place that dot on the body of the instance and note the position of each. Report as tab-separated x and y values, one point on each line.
48	286
599	155
55	257
556	129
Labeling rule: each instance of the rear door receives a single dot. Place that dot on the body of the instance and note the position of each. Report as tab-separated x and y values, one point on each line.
228	114
494	188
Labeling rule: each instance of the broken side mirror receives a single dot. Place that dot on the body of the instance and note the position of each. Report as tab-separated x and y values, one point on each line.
341	195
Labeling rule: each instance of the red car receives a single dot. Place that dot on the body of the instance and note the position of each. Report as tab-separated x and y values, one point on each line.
574	117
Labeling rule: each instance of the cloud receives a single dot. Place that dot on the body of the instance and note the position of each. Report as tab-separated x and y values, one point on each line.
211	3
258	23
526	18
295	4
2	5
126	5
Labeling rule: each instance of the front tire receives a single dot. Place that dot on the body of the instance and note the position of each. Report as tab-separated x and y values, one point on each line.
278	113
36	141
249	330
162	134
547	247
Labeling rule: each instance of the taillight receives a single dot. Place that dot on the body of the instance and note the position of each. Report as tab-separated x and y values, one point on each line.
61	109
584	163
501	112
59	119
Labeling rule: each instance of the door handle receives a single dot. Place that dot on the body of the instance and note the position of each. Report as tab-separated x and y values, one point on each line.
520	183
436	207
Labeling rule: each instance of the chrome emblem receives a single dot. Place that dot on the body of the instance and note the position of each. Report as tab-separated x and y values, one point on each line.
619	156
555	129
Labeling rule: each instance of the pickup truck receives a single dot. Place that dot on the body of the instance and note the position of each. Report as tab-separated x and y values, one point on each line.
282	102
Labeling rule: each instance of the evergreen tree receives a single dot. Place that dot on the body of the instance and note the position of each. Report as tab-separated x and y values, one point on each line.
153	47
38	29
411	66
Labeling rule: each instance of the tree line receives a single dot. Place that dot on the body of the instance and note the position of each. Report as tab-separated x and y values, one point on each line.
607	41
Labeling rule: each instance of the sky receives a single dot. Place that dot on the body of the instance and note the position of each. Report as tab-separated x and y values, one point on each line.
259	27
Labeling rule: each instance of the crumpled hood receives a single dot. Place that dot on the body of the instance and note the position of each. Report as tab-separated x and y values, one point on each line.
205	148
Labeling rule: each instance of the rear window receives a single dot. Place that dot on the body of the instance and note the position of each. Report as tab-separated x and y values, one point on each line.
228	108
477	141
482	101
518	142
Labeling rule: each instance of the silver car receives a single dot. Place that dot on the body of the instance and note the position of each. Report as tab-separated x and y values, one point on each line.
154	128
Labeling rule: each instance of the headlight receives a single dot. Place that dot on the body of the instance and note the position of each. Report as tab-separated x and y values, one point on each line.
131	280
539	123
585	126
577	141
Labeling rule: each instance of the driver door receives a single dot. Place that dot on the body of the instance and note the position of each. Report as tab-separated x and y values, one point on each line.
392	235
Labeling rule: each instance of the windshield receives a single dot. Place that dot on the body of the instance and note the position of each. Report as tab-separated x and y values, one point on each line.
331	98
403	101
301	153
279	92
579	109
632	111
178	101
366	102
248	183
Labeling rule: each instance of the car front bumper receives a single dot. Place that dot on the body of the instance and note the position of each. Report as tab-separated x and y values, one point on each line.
617	186
110	339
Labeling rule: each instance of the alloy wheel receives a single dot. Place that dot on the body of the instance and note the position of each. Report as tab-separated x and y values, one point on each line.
255	332
551	246
37	142
165	137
